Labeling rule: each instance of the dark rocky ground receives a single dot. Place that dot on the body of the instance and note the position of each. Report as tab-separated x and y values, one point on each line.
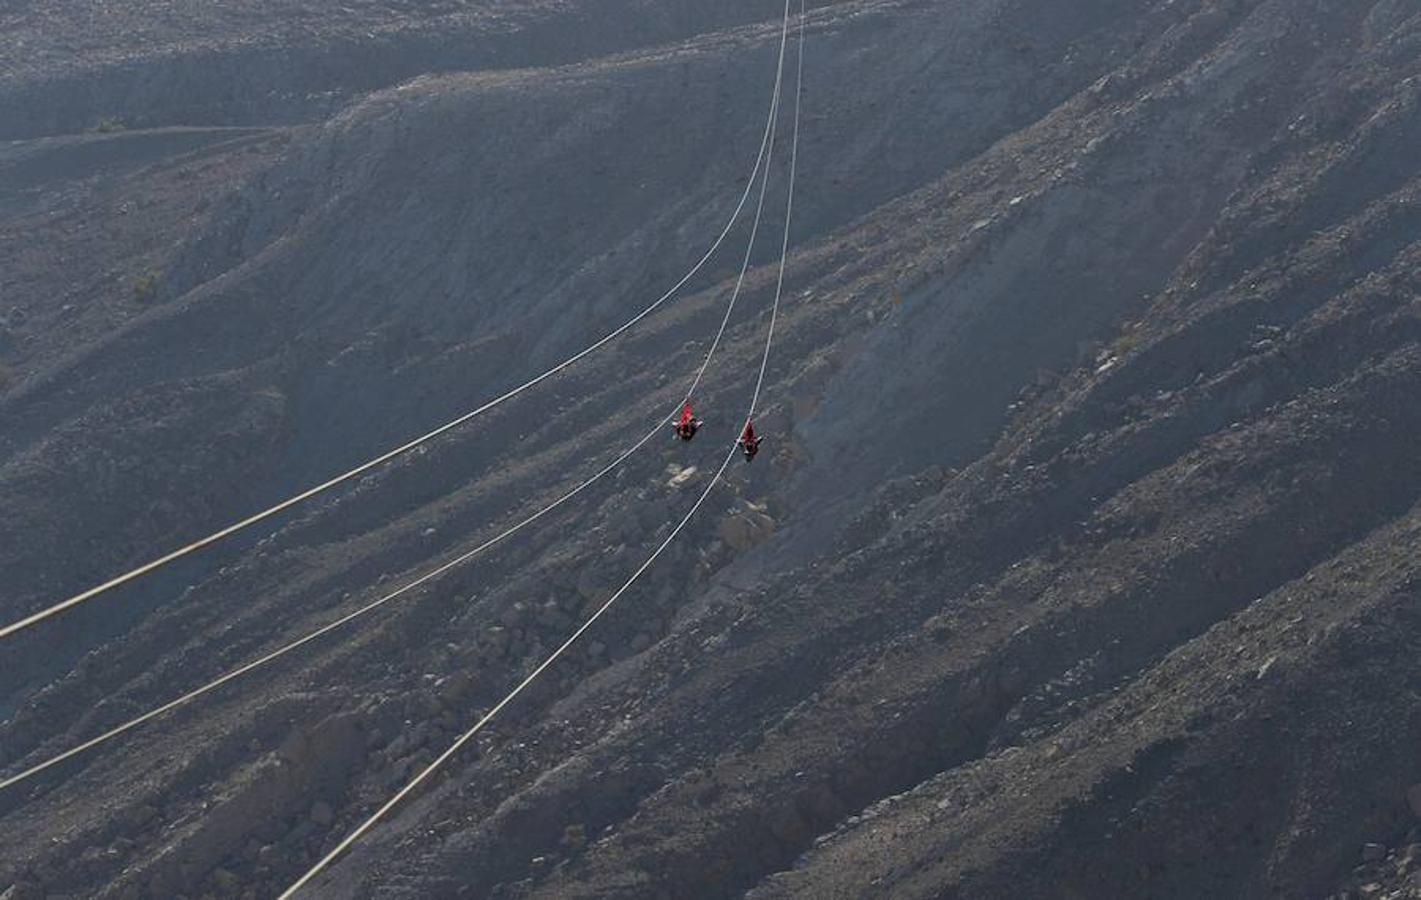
1119	600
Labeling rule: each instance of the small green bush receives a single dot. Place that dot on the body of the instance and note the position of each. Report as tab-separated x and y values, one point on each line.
574	837
109	125
145	287
1126	342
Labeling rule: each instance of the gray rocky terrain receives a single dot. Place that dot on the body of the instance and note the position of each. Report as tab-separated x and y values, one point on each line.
1081	559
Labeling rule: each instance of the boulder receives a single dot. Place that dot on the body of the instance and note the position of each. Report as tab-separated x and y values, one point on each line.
679	477
744	529
456	688
496	638
330	746
552	617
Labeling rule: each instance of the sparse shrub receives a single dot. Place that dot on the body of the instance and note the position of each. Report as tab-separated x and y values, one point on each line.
1126	342
145	287
574	837
109	125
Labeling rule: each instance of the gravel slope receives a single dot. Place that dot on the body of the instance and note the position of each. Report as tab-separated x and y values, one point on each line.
1080	561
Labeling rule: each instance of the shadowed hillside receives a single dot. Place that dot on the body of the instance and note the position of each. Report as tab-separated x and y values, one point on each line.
1079	561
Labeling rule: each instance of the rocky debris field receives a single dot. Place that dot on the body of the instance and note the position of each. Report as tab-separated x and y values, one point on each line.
1081	559
1387	873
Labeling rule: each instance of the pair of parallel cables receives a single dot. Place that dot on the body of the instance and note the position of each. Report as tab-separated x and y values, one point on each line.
763	161
49	612
467	736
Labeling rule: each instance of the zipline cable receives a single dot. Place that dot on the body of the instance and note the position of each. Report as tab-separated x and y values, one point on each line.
556	654
49	612
274	655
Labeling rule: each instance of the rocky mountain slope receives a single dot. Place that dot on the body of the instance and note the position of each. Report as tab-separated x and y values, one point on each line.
1081	561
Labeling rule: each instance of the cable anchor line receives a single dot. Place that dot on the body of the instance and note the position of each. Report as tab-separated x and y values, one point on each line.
467	736
33	619
190	696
